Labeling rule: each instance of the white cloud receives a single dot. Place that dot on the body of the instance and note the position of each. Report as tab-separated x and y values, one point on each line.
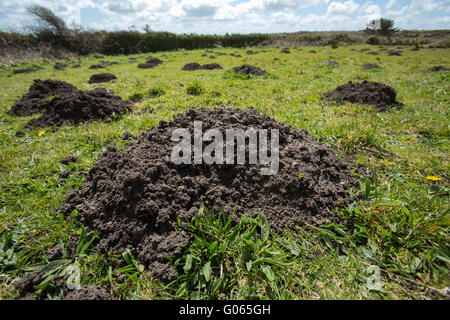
237	16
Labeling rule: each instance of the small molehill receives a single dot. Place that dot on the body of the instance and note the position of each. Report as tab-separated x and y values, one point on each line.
77	106
249	70
102	77
34	100
196	66
25	70
394	53
151	63
369	66
438	68
371	93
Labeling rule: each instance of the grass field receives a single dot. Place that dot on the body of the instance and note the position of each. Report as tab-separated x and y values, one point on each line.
401	226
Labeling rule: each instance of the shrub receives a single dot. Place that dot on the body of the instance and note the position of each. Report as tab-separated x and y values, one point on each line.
374	40
156	91
195	88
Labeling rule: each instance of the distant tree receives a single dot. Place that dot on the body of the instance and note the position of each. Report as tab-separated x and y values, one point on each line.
387	27
51	21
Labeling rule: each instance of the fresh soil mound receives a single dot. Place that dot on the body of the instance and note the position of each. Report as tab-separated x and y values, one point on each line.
247	69
133	197
25	70
438	68
97	66
147	65
371	93
88	293
102	77
191	66
211	66
369	66
59	66
34	100
78	106
394	53
196	66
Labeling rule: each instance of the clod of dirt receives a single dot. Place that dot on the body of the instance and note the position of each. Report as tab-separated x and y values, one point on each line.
373	53
25	70
313	51
133	197
248	70
76	107
59	66
127	136
75	66
34	100
369	66
211	66
101	77
88	293
68	159
212	57
285	51
371	93
151	63
414	49
394	53
20	133
250	52
438	68
204	55
30	280
196	66
191	66
97	66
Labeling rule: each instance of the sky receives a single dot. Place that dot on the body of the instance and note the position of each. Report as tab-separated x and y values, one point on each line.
231	16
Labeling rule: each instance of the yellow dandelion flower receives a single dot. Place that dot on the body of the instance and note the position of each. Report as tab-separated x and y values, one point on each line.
41	133
433	178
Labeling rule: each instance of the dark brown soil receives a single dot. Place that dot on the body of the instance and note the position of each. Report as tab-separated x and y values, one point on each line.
59	66
371	93
132	198
34	100
211	66
192	66
248	70
68	159
196	66
394	53
88	293
369	66
102	77
26	70
76	107
97	66
438	68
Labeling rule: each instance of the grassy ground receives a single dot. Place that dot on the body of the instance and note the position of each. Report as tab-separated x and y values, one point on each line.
401	226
